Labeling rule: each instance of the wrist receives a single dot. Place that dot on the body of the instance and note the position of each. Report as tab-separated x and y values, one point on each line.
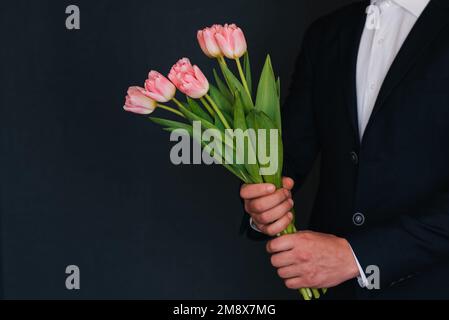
351	267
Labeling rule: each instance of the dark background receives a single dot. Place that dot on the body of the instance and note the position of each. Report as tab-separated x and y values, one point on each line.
82	182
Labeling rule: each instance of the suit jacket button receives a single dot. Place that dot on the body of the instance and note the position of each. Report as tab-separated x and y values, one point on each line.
354	158
358	219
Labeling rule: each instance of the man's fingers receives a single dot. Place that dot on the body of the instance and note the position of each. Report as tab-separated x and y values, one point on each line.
263	204
280	244
253	191
289	272
295	283
280	225
283	259
274	214
288	183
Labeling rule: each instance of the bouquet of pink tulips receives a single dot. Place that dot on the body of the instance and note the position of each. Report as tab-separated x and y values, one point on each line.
240	127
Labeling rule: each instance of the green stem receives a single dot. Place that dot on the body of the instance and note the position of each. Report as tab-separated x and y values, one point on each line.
207	106
170	109
222	63
316	293
178	103
217	110
242	76
304	294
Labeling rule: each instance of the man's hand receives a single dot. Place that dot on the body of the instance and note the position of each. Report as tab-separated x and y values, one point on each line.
312	260
269	208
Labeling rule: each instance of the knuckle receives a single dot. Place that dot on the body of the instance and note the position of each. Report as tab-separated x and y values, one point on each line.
256	220
264	218
257	206
305	235
285	222
284	194
289	204
304	256
272	230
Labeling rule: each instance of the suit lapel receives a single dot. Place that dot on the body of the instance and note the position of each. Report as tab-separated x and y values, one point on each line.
432	20
350	38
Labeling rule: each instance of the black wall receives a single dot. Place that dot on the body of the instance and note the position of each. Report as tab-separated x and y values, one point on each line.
84	183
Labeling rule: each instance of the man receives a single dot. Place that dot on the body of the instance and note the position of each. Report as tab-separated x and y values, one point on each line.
371	96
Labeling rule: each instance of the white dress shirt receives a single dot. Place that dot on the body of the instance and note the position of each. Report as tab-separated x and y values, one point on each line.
388	24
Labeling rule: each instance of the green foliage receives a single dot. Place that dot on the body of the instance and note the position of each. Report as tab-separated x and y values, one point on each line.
196	109
267	99
236	85
223	87
247	70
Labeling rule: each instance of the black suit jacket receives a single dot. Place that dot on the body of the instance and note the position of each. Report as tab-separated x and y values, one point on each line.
388	194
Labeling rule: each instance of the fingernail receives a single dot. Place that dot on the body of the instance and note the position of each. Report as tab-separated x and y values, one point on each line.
291	202
290	215
271	188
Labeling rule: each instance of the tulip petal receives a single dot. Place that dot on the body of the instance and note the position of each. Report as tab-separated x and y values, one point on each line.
202	42
224	46
240	46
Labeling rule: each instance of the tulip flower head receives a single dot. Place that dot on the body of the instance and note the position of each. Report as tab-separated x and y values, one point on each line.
189	79
159	88
138	101
231	41
208	41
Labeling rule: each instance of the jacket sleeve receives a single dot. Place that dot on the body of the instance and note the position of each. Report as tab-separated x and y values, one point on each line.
300	134
408	245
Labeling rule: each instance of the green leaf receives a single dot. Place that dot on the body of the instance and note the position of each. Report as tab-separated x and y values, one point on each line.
193	117
218	123
279	88
173	129
267	99
170	123
204	123
236	85
237	170
196	109
223	87
248	148
247	70
223	103
259	120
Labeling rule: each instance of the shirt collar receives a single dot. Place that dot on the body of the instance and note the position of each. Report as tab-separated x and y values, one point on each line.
416	7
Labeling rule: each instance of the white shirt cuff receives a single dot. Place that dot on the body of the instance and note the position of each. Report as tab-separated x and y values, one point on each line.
363	281
253	225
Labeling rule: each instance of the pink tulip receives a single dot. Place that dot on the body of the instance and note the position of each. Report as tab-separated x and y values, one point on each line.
189	79
159	88
208	42
231	41
138	101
